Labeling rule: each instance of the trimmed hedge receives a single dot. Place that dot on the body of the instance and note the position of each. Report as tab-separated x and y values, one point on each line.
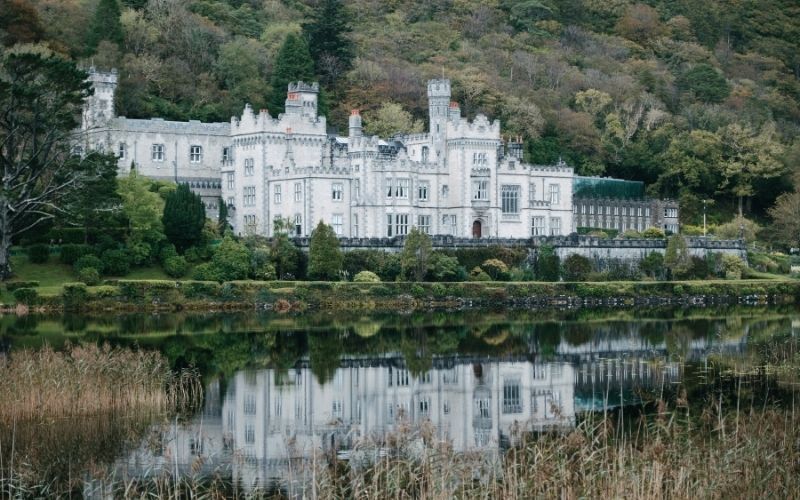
27	296
14	285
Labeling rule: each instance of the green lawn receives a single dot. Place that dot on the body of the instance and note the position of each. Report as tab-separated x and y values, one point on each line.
52	276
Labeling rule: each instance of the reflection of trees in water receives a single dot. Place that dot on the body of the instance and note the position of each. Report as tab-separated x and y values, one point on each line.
324	351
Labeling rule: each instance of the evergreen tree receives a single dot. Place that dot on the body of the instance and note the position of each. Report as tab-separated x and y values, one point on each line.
184	218
105	26
97	206
324	256
292	64
547	264
222	222
332	51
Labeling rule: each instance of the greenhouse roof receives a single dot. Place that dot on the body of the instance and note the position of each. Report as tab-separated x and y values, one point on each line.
606	187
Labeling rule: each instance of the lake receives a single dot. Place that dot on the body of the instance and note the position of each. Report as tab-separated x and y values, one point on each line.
284	392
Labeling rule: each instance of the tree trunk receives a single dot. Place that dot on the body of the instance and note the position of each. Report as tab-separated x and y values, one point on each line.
5	243
740	207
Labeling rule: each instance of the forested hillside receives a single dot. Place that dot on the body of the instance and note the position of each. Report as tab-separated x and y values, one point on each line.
701	100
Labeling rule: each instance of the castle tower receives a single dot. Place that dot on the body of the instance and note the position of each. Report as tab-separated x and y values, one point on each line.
302	98
99	107
355	123
438	109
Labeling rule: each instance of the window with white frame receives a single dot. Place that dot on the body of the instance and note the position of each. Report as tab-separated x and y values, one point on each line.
480	190
249	404
229	202
357	188
638	211
337	191
445	191
531	193
424	223
424	406
250	224
298	224
277	195
298	191
509	196
195	154
591	209
338	408
537	226
616	210
483	407
229	179
157	152
389	188
555	226
355	225
402	188
446	407
249	166
422	191
449	224
583	209
512	402
249	433
555	194
396	224
480	159
249	196
425	154
670	212
647	212
226	154
123	150
337	222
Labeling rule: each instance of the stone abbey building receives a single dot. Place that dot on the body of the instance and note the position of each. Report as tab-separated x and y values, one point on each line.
458	179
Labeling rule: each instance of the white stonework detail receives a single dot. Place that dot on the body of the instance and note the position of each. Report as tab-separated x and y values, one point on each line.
458	179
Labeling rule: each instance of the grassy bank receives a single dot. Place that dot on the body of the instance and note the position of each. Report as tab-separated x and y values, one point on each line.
284	296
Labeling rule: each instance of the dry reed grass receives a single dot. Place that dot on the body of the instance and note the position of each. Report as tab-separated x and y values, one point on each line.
66	413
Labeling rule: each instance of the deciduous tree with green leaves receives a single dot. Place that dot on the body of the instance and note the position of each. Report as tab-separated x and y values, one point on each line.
676	257
324	256
415	255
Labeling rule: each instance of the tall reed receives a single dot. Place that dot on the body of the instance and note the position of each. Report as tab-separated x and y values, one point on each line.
69	412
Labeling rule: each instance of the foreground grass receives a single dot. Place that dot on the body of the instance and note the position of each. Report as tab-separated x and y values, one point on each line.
65	413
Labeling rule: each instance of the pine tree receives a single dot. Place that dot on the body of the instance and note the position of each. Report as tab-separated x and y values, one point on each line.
222	223
324	256
327	39
292	64
105	26
184	218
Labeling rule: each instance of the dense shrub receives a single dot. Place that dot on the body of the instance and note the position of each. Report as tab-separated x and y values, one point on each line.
196	289
231	261
197	254
89	276
14	285
442	267
26	295
470	258
74	295
576	268
478	274
167	250
71	253
386	265
206	272
548	265
496	269
265	272
176	266
87	261
116	262
732	266
652	265
654	233
367	277
39	254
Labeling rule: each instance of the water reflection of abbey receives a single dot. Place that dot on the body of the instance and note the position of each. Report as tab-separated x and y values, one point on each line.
262	424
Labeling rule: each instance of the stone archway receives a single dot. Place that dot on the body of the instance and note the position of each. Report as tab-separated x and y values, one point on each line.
476	229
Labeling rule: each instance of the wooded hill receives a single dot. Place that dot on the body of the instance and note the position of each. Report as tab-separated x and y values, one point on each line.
700	100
